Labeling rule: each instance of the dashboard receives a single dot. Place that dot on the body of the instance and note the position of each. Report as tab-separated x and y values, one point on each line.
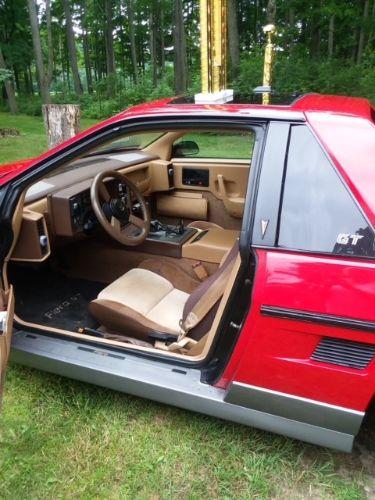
60	205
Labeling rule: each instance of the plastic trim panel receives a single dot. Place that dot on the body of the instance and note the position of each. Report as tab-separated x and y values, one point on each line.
159	382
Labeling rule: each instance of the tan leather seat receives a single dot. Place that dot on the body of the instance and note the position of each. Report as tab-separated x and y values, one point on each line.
142	302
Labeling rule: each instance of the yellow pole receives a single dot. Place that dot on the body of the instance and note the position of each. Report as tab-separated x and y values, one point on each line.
268	61
213	24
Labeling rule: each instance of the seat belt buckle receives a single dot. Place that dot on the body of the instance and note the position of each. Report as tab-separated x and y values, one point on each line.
200	271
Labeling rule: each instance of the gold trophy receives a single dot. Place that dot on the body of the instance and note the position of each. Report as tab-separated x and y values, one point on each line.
269	29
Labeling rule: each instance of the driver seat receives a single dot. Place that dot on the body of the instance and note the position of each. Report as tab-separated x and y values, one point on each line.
146	305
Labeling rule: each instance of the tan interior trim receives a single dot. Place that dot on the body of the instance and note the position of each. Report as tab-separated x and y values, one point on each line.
212	246
235	172
162	147
182	206
28	247
16	226
234	205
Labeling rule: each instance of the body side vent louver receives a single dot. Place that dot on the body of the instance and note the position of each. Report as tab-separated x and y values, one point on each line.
344	353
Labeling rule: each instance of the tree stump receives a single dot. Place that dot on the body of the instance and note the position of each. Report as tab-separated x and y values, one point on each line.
62	122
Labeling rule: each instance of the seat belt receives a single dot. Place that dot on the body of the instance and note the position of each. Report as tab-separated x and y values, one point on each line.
206	302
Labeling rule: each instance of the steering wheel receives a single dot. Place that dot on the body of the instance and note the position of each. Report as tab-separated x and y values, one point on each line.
114	208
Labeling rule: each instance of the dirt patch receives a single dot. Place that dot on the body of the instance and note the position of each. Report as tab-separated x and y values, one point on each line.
9	132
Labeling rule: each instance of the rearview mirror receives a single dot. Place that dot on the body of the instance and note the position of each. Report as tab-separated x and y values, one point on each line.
185	148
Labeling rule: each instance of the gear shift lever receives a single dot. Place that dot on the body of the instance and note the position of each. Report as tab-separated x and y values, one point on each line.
180	227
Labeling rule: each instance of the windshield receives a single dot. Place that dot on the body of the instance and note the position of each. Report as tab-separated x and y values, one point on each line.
133	141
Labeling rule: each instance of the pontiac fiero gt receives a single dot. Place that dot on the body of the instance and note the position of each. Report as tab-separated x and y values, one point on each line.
219	258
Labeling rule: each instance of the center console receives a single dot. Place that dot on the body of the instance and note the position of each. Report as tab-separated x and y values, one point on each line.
164	239
179	241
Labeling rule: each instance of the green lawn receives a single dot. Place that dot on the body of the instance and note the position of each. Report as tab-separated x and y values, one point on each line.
64	439
32	141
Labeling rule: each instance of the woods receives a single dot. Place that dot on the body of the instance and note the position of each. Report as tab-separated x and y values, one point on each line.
109	54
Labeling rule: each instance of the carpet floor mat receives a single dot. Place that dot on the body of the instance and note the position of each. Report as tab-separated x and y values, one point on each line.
46	297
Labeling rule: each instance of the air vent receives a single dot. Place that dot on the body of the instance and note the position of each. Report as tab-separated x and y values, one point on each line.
42	237
344	353
170	173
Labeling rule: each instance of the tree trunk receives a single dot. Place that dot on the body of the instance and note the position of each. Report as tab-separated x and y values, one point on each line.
110	53
162	43
86	46
361	40
43	87
233	37
331	31
72	48
153	48
62	122
48	76
180	60
9	89
271	11
133	48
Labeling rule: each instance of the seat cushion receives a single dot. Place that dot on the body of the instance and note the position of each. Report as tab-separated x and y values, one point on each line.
140	302
138	289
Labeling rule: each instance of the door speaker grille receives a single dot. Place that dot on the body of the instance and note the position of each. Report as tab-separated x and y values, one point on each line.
344	353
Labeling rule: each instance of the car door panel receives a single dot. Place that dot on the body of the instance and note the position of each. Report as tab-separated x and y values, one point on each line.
224	194
279	352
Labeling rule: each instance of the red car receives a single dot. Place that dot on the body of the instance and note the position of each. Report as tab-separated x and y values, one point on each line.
219	258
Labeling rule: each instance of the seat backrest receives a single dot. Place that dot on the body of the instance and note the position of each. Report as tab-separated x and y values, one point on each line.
202	293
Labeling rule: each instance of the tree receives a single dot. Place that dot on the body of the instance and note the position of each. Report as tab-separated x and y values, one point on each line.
110	54
71	48
42	79
133	49
153	45
180	59
86	46
6	77
361	40
331	30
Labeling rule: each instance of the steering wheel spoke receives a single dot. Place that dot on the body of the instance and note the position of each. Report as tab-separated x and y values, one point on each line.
137	222
103	192
115	223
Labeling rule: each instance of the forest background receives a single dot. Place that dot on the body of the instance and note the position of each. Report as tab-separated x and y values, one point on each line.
109	54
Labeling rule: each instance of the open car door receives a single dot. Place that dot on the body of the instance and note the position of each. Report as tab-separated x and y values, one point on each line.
6	330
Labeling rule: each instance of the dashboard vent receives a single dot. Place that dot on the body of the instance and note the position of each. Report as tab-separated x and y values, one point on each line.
344	353
42	236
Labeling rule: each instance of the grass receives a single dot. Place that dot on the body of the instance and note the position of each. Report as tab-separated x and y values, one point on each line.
64	439
32	140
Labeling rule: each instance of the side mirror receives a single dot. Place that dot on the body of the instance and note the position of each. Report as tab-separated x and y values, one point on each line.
185	148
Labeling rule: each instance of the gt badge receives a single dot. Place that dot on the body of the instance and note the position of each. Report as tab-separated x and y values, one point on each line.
348	239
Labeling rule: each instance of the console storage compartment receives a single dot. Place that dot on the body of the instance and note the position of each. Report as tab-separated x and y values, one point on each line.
183	204
210	245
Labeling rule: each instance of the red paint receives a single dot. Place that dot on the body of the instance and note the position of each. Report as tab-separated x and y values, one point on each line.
274	353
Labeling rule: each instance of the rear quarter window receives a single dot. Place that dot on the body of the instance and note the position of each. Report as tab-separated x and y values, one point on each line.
318	213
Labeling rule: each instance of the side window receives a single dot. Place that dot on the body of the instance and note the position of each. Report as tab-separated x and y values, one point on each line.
217	144
318	214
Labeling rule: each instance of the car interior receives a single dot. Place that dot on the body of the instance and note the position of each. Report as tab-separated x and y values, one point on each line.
136	242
